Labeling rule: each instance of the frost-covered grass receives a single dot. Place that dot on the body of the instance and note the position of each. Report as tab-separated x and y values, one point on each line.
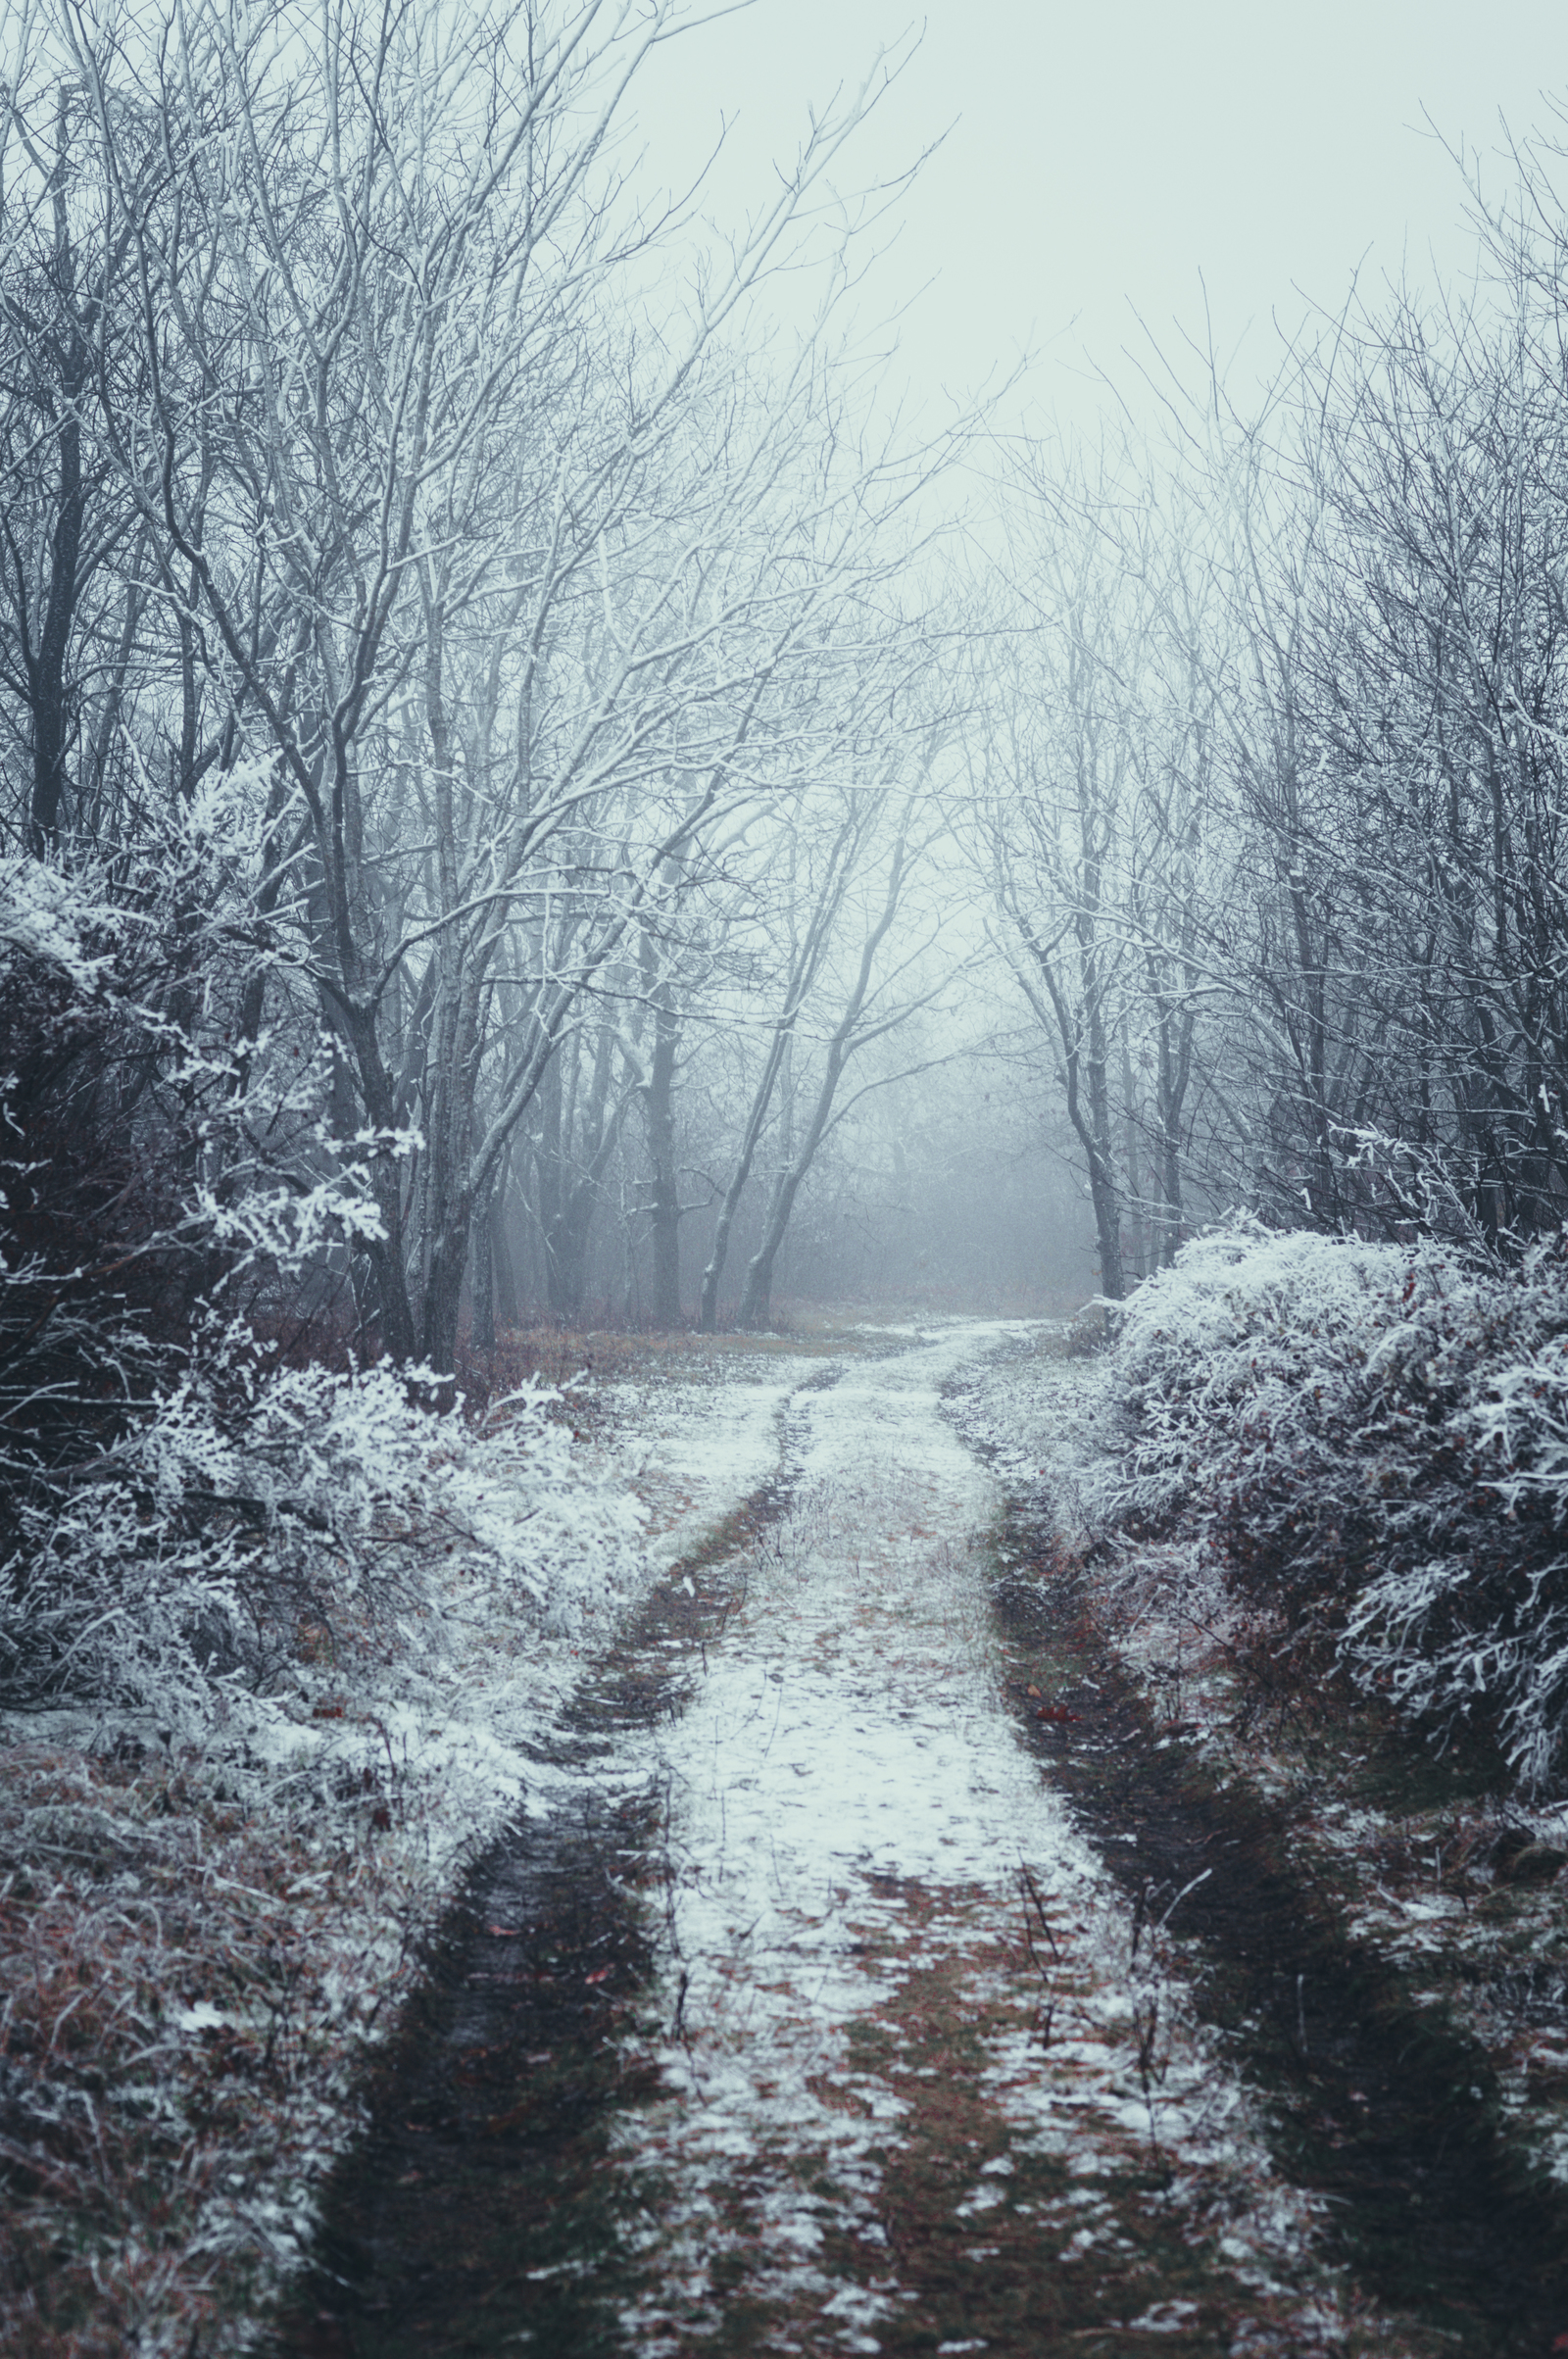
1370	1444
192	1964
225	1835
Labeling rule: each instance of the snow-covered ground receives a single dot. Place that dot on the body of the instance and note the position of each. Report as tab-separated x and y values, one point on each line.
917	2058
861	1852
692	1444
205	1923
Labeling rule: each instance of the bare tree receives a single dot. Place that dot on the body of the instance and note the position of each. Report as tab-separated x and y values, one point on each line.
1055	781
872	995
817	867
480	571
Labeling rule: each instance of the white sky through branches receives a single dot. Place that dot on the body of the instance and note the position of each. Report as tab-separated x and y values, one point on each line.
1101	156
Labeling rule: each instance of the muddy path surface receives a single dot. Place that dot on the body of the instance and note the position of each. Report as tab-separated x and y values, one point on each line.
477	2213
839	2002
1386	2110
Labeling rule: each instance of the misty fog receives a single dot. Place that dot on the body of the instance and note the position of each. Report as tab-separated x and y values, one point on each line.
559	803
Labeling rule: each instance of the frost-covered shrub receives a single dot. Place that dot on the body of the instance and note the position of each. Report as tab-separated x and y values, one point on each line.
1250	1345
1374	1439
177	1509
253	1514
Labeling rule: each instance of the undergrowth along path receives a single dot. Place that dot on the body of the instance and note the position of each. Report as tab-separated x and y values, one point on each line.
1378	2100
1387	2111
808	2019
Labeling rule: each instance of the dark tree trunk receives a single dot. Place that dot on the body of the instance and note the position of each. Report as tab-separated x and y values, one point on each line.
506	1307
757	1295
384	1253
757	1298
659	1111
666	1206
1135	1182
481	1283
777	1061
48	692
571	1175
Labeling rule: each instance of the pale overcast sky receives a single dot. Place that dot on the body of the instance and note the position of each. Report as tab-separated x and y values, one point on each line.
1102	155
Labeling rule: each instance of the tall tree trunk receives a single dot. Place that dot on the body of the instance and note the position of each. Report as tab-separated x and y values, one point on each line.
505	1275
659	1101
481	1284
777	1063
1104	1192
1091	1123
805	954
1171	1091
757	1298
1135	1184
571	1171
658	1093
757	1295
48	696
552	1187
385	1252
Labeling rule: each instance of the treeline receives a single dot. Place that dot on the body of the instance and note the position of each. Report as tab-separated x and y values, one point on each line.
504	715
1273	803
471	683
1273	795
510	800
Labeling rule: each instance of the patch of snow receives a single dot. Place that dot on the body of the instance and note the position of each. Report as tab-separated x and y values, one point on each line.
693	1449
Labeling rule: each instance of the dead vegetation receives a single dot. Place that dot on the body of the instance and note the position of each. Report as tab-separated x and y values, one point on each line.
204	1930
190	1984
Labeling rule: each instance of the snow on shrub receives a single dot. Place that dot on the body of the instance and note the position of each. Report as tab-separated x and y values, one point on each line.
279	1647
46	921
1373	1438
330	1629
1246	1346
252	1514
178	1512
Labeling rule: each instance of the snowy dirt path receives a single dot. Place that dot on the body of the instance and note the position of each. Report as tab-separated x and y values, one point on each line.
808	2021
921	2093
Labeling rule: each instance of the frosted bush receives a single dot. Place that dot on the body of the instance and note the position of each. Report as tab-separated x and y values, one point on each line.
1249	1343
46	920
1374	1440
251	1513
180	1515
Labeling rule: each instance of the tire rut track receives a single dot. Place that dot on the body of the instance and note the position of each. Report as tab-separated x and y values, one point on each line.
1381	2106
482	2183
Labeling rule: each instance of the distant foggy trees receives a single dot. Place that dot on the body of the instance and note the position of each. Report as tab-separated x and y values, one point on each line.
819	867
1271	796
499	708
1092	815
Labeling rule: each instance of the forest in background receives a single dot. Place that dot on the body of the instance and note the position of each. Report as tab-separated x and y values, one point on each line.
526	795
